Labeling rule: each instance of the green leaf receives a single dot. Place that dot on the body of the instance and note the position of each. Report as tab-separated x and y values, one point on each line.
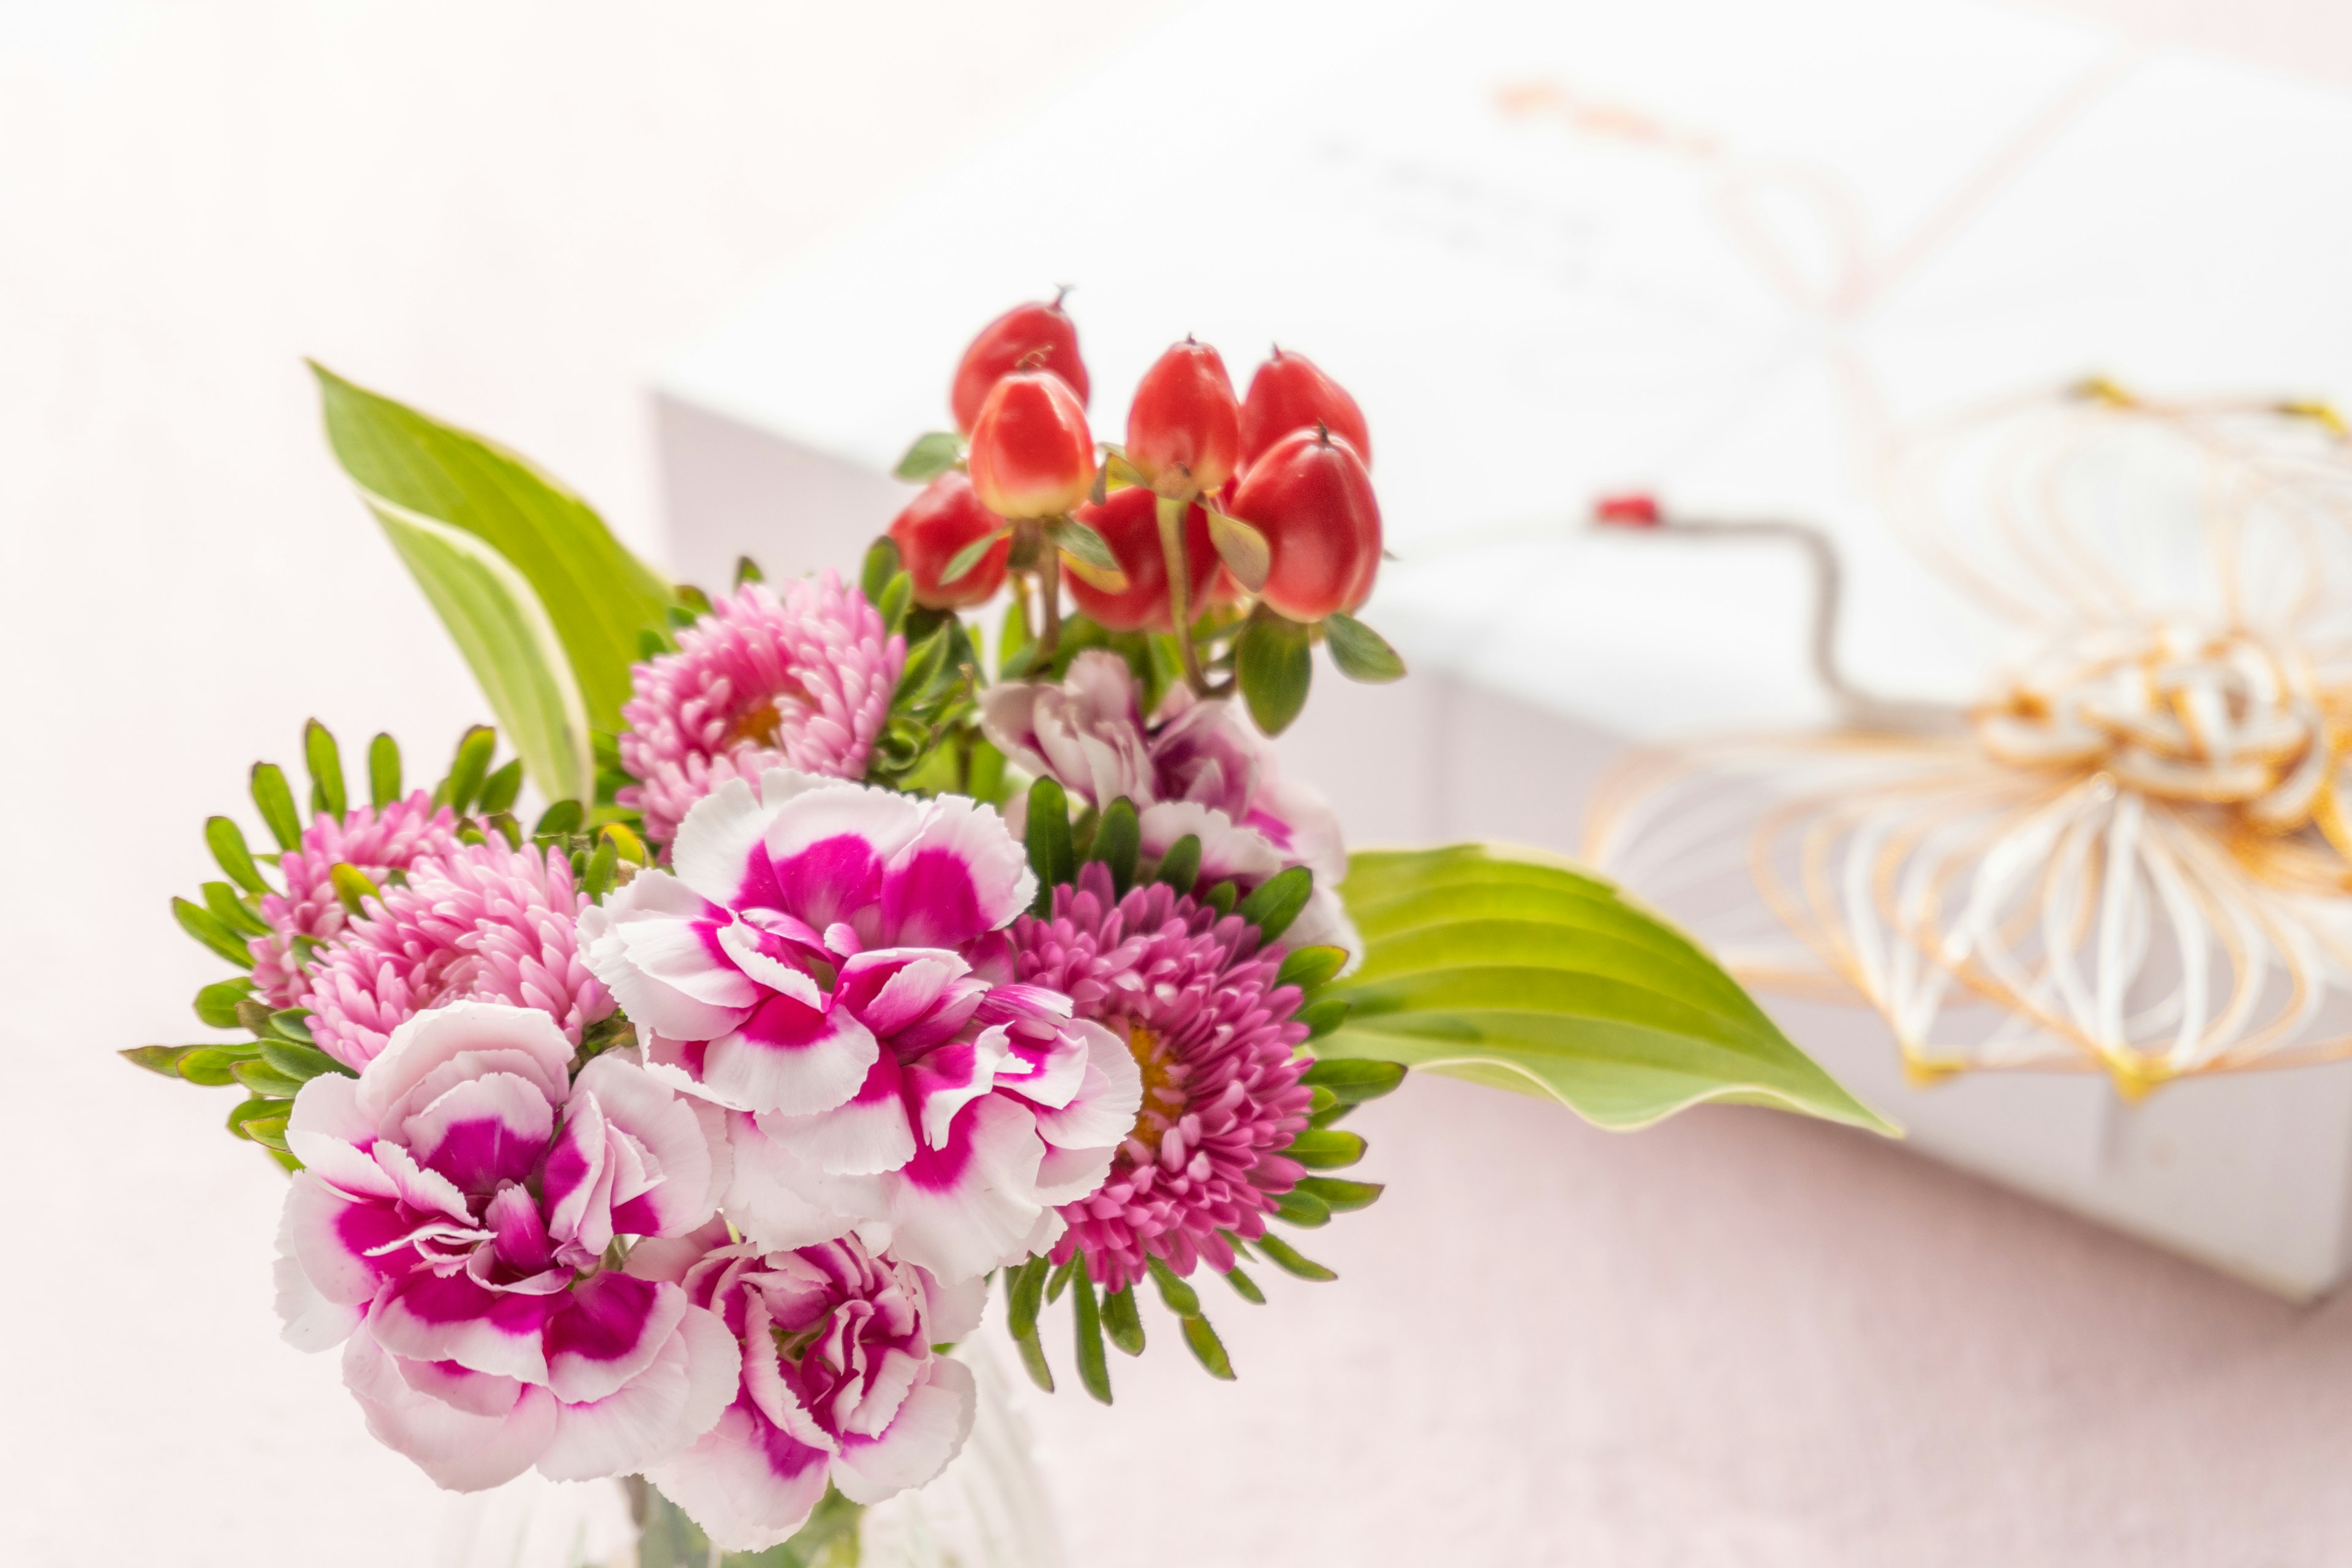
509	641
923	666
897	595
933	454
1302	1209
300	1063
880	565
468	767
1207	1348
748	571
1352	1081
1221	898
1181	1298
595	593
163	1059
274	800
498	791
206	928
1245	1287
1275	668
209	1066
221	902
1326	1150
1341	1196
563	816
1323	1014
961	563
1180	867
1082	542
325	761
1242	548
1024	1292
1308	967
216	1004
292	1023
226	841
262	1119
603	865
262	1078
1274	903
1012	637
1122	1324
1287	1258
1059	1280
353	887
1033	1358
1119	839
1518	971
383	771
1094	1367
1361	653
1050	852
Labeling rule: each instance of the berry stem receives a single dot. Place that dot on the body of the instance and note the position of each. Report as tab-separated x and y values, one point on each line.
1172	544
1049	591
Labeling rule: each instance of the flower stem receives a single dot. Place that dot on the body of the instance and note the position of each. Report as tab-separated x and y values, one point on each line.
1171	545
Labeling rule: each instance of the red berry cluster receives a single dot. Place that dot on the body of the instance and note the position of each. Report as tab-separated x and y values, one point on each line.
1218	511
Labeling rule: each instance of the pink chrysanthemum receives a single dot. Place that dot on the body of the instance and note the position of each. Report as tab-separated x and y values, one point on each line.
483	922
376	842
799	680
1194	996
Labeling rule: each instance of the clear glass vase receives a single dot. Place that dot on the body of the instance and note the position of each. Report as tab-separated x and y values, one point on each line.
990	1509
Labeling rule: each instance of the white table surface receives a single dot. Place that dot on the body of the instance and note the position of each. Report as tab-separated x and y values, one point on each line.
1739	1339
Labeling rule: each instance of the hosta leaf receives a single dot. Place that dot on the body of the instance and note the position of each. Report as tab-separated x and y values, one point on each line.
595	593
503	630
1517	970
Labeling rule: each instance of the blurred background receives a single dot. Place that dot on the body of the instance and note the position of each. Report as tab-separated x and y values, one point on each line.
1736	1340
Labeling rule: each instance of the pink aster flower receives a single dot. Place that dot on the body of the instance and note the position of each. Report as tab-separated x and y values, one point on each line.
1199	767
450	1227
829	962
480	920
840	1381
376	842
1194	996
800	680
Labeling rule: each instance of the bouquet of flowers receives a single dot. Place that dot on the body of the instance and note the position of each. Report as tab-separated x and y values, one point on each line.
845	967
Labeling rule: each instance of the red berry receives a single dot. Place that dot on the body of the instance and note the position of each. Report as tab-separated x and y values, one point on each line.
1183	429
1006	345
942	521
1312	499
1032	454
1288	393
1130	524
1633	509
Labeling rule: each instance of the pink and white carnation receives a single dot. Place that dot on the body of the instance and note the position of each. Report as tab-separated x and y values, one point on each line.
453	1227
1200	767
377	843
477	921
1193	994
829	962
800	679
840	1381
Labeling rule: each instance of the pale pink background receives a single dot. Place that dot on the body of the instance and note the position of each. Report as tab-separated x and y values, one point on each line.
1738	1339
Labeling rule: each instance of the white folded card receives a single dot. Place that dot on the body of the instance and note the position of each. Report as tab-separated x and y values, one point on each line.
1723	252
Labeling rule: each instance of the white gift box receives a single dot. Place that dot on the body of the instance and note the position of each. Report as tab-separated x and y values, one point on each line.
1716	251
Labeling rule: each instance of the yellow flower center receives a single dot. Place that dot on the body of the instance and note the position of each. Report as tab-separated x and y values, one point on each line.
1163	1086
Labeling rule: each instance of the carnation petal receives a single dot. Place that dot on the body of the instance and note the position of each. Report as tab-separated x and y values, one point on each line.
931	1428
431	1039
964	1209
961	876
608	1330
433	1317
459	1450
483	1131
775	1199
748	1484
790	1057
